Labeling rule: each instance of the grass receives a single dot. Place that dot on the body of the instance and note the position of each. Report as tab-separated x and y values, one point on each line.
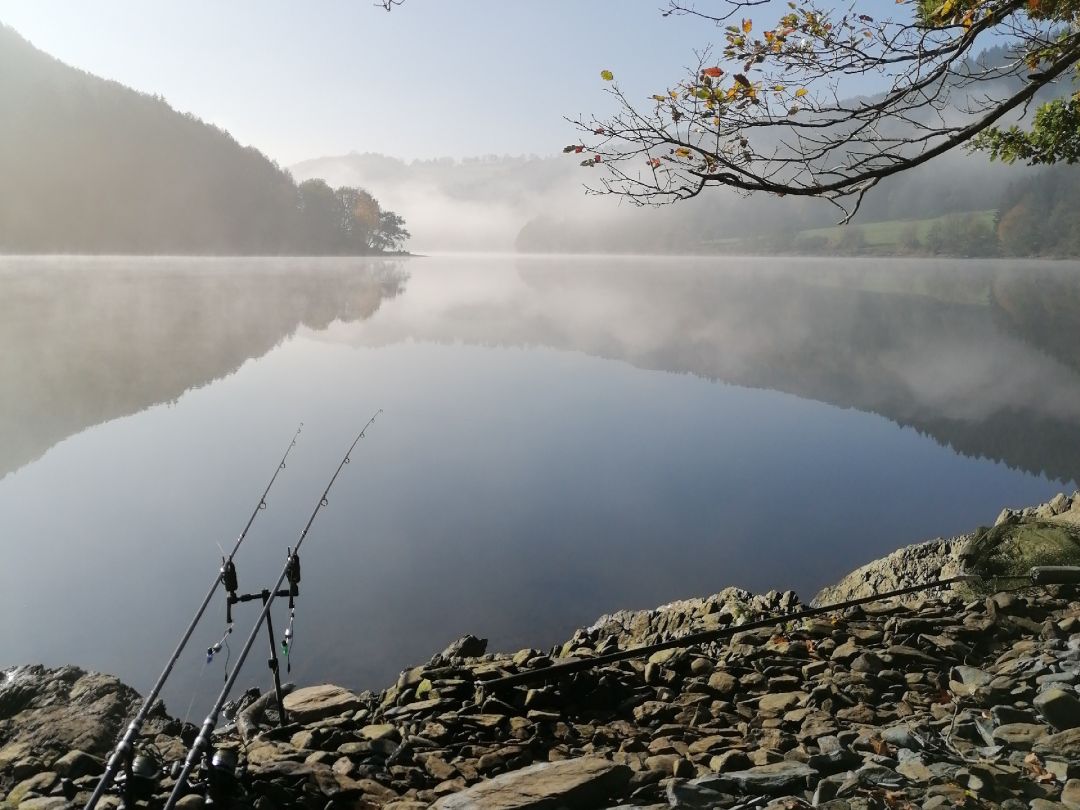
890	232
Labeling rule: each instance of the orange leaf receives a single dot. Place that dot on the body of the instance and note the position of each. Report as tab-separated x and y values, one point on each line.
714	72
748	25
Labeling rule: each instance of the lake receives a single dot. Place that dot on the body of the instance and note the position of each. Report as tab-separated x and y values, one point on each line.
562	437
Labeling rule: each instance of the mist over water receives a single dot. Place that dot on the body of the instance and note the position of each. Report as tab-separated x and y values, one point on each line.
562	437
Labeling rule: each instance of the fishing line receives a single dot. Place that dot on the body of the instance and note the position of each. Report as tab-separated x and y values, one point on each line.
292	567
124	749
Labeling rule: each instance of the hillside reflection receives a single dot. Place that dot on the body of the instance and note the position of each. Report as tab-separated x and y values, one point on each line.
977	355
85	341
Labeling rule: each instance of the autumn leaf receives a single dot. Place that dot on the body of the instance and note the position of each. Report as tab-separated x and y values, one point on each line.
682	152
802	91
747	26
741	79
607	75
713	72
879	746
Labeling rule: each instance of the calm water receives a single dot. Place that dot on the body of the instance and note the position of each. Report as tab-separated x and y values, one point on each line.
561	438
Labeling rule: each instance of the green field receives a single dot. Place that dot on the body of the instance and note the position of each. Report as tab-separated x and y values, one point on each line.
891	231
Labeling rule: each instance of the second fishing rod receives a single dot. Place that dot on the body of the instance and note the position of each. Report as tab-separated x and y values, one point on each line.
202	741
123	752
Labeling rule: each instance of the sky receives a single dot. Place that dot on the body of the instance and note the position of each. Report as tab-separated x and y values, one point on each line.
433	78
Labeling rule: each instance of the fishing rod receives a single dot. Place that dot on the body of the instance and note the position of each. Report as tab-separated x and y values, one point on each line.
1039	575
124	748
202	742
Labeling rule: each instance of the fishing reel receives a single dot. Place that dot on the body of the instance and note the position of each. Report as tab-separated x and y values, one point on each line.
139	779
224	778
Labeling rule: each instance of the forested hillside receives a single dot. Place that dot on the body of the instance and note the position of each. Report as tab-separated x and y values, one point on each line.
90	166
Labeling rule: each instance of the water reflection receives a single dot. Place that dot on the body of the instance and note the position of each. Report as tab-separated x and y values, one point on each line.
980	356
86	340
555	443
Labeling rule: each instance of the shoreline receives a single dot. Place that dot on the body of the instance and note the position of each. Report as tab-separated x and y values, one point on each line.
851	708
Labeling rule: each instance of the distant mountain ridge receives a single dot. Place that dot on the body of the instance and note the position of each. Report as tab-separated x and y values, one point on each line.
91	166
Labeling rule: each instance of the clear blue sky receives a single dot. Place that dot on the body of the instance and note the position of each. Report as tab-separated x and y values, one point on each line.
302	79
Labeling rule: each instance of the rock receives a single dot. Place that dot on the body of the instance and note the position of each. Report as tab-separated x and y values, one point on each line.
314	703
915	770
1019	735
1064	744
57	710
77	763
13	753
466	647
782	702
1070	794
729	761
690	795
573	783
1059	708
380	731
722	682
39	783
45	803
776	779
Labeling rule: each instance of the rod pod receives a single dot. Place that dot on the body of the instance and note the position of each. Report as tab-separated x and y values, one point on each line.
125	747
202	742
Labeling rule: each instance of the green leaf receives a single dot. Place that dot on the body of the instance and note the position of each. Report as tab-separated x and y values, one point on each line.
607	75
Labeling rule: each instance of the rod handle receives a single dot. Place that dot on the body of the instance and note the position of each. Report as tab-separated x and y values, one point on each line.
1055	574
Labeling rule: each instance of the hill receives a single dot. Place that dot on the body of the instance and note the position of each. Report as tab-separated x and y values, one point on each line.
90	166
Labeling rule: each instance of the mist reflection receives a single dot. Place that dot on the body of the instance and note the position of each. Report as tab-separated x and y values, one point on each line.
562	437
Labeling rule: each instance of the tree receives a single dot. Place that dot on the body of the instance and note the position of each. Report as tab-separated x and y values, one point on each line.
767	113
391	233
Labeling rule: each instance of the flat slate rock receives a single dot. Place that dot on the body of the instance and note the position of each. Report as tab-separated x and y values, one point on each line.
776	778
1064	744
572	783
314	703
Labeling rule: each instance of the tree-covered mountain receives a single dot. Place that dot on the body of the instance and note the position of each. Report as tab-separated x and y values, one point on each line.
90	166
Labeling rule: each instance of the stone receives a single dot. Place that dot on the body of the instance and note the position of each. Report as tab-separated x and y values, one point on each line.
439	768
1019	735
13	753
573	783
722	682
59	710
776	779
45	803
915	770
1059	708
466	647
690	795
39	783
380	731
1070	794
729	761
78	763
782	702
1064	744
314	703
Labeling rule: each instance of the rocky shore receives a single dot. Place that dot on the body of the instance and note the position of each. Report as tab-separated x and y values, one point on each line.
946	699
